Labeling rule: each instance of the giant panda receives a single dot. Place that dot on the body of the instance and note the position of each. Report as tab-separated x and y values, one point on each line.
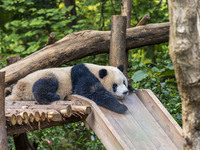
102	84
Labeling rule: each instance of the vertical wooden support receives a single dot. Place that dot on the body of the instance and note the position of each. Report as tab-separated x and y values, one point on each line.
3	133
118	42
126	7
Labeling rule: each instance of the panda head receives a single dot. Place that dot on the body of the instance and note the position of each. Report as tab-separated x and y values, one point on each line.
114	81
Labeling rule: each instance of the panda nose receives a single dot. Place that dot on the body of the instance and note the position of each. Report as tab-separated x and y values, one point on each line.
125	93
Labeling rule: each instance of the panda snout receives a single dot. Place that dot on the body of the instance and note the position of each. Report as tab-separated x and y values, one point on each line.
125	93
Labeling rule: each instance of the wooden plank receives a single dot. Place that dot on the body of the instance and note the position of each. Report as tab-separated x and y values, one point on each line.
101	126
117	127
162	116
149	125
132	130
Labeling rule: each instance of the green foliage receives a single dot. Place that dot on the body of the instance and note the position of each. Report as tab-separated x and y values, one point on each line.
156	73
70	137
25	26
30	25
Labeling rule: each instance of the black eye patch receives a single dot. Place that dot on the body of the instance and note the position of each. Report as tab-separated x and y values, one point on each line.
124	83
102	73
114	87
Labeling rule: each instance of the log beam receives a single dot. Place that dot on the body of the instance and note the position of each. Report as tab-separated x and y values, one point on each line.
81	44
38	125
3	134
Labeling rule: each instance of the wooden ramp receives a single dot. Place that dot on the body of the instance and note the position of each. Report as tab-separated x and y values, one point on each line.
145	126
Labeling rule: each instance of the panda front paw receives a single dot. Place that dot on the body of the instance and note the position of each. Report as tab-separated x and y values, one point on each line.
121	109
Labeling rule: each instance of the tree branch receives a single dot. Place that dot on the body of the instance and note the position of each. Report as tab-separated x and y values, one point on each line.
82	44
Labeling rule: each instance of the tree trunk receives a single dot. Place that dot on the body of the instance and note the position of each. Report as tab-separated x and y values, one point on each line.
126	7
81	44
3	134
126	11
21	142
185	55
72	12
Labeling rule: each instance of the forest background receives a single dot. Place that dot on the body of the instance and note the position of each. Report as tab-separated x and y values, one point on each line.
25	26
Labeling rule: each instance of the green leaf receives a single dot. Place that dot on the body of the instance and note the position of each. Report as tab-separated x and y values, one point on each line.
139	75
41	11
155	69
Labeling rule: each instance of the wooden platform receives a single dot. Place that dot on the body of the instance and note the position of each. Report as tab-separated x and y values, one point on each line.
26	116
145	126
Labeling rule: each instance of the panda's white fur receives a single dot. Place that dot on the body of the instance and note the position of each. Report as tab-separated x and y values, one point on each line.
114	75
23	90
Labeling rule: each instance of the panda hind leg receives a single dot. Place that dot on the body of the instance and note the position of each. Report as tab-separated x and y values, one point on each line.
44	90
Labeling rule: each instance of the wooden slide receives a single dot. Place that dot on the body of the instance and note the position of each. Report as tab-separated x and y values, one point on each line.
146	125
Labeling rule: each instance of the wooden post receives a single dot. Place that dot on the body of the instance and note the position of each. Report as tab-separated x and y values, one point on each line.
3	134
118	42
144	20
126	7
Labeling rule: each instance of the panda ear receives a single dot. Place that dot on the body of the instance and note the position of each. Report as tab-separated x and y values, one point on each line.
121	68
102	73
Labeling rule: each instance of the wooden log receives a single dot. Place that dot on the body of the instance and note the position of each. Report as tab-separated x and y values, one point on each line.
19	120
12	59
81	44
31	117
51	39
54	116
126	6
144	20
18	112
36	116
3	134
46	124
28	114
82	109
24	116
117	54
11	119
67	112
31	105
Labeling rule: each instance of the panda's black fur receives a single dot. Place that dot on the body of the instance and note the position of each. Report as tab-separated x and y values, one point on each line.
44	90
84	83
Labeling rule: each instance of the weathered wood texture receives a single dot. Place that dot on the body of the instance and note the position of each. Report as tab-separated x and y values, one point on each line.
51	39
144	20
138	128
185	54
126	7
117	55
161	115
81	44
3	134
21	114
41	125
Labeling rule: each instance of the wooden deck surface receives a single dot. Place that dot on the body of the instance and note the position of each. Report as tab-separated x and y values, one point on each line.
145	126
